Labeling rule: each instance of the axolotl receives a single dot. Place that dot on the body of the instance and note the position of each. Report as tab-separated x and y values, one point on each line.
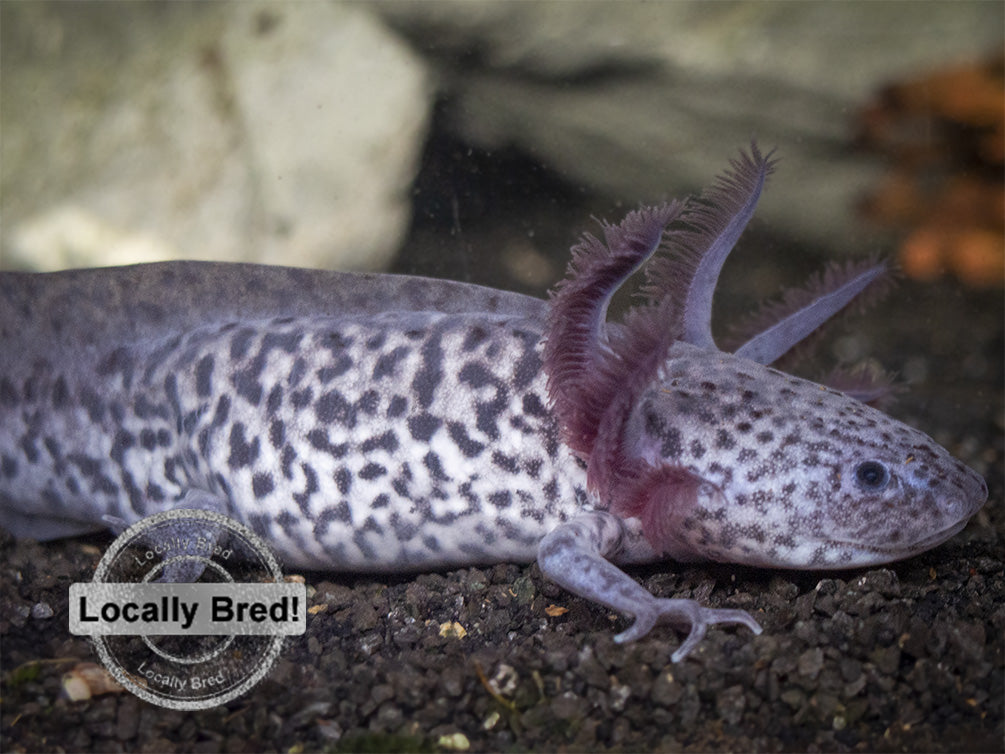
368	422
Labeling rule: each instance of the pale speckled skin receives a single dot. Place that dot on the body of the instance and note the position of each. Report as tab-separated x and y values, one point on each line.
343	439
786	493
368	422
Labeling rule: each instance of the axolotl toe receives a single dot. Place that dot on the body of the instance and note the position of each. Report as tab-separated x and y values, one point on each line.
385	423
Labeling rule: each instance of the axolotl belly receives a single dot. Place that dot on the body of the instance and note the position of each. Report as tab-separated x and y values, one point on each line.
383	423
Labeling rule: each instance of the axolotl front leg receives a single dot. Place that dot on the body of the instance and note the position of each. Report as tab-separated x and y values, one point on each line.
575	556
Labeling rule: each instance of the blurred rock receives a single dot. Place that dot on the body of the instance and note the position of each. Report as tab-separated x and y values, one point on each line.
278	133
641	101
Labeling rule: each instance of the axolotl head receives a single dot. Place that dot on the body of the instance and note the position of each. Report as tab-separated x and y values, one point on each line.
786	472
717	454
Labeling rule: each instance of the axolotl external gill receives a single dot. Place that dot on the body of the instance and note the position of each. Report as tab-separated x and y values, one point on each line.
384	423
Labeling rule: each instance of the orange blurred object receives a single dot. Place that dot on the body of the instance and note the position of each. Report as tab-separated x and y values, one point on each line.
945	136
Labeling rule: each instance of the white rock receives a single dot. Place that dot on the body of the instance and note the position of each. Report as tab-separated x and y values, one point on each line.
285	133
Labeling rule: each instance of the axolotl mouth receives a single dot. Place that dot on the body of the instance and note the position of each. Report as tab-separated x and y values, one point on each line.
891	552
886	554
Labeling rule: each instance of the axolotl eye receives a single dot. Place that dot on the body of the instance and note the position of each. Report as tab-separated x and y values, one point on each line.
872	476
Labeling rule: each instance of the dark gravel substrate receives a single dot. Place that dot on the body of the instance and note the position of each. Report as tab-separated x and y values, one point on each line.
907	658
903	658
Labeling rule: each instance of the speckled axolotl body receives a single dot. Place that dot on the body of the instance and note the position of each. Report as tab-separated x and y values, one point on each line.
370	422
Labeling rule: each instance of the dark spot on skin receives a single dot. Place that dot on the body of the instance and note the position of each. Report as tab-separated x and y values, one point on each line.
529	365
117	362
505	462
487	415
144	408
95	407
430	373
422	426
324	522
459	434
387	364
286	459
297	372
432	462
502	499
133	492
368	403
400	486
53	449
148	439
403	530
29	390
222	411
302	398
102	484
8	466
343	480
551	491
262	485
123	441
191	419
387	441
318	438
60	393
242	453
532	405
397	406
474	336
302	499
764	437
697	449
260	524
475	375
203	441
724	440
372	471
240	342
289	524
672	444
246	384
333	341
329	373
333	408
170	466
744	427
275	400
8	393
277	433
204	376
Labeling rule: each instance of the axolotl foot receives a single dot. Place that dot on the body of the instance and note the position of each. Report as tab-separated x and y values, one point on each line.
574	555
682	614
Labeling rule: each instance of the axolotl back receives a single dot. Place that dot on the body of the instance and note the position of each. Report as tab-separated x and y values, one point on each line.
386	423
